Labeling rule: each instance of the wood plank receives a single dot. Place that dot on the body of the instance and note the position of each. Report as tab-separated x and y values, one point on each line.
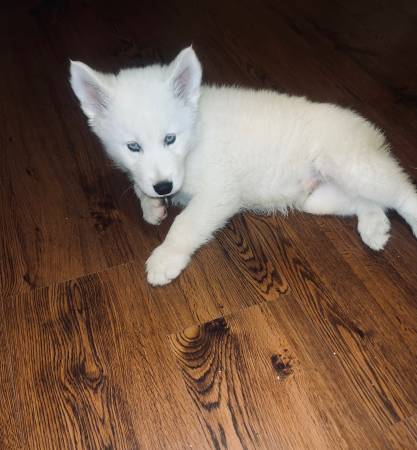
262	372
379	36
10	436
345	314
59	208
403	435
88	367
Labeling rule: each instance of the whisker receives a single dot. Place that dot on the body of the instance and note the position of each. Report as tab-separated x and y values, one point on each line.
125	191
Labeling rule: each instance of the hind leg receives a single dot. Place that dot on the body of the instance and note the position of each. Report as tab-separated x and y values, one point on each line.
373	224
376	177
328	199
388	187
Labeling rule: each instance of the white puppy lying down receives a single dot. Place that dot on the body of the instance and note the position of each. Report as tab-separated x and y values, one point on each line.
219	150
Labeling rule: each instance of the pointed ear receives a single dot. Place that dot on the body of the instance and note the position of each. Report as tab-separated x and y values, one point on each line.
92	88
186	76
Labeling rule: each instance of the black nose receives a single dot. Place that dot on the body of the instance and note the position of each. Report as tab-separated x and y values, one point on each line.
163	188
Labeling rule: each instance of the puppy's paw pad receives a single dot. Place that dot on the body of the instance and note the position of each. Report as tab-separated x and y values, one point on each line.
374	229
165	265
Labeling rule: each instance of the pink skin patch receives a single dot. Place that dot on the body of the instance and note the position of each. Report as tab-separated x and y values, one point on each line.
311	184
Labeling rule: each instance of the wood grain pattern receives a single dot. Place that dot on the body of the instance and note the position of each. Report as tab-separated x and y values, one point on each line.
284	332
95	371
242	379
347	317
404	434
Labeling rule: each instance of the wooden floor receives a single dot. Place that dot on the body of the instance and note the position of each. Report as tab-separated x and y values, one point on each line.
284	332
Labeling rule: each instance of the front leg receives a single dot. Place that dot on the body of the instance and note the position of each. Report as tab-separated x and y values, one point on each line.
191	229
153	209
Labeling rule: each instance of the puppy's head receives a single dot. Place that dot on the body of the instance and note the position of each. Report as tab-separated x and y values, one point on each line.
144	117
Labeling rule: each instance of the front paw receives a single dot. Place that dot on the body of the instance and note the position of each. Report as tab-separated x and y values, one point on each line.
154	211
164	265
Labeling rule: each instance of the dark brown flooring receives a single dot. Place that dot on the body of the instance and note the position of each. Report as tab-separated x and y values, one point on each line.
284	332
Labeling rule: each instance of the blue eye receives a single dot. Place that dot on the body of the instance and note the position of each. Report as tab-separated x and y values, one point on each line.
169	139
134	147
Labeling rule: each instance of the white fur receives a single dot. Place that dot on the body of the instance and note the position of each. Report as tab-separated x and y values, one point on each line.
238	149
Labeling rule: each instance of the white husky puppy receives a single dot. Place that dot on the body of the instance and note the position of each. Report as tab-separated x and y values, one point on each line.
219	150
